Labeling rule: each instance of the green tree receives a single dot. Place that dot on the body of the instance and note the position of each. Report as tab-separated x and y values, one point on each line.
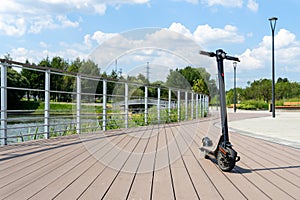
15	79
88	85
57	80
35	80
200	86
190	74
176	80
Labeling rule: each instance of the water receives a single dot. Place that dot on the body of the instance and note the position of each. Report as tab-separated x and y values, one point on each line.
23	127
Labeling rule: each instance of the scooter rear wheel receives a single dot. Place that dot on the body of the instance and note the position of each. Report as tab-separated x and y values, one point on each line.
226	164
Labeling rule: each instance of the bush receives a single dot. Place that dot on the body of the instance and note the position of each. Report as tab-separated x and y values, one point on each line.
246	107
253	105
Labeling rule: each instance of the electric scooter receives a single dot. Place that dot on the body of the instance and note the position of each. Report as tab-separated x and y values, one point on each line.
224	153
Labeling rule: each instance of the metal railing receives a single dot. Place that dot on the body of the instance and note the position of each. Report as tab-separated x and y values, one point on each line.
93	103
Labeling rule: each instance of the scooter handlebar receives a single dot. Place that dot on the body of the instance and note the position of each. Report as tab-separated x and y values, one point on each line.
206	53
232	58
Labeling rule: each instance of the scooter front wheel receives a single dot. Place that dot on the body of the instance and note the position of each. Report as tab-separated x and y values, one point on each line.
227	163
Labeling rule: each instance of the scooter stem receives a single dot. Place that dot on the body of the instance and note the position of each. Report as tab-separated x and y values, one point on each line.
220	56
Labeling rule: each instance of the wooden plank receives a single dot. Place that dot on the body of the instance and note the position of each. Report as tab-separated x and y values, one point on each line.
24	152
278	180
203	184
29	189
162	180
23	163
288	153
64	180
141	187
183	185
103	182
246	190
124	179
277	159
16	182
262	183
85	180
223	185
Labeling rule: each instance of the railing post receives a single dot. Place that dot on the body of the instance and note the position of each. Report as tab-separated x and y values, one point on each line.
126	105
169	105
192	105
104	105
197	106
186	105
207	104
158	105
3	104
178	105
47	105
146	105
202	105
78	104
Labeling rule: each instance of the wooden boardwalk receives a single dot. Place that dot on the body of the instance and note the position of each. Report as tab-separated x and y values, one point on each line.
155	162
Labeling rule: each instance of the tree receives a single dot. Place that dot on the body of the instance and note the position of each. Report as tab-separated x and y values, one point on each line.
36	79
14	79
88	85
176	80
200	86
69	81
261	89
190	74
197	79
57	80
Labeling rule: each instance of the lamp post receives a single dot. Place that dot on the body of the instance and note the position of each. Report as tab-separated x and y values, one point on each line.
273	25
234	86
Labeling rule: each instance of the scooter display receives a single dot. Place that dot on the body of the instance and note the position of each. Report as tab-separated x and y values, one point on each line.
224	153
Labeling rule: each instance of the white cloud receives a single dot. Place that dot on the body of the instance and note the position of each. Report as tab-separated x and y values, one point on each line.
287	52
15	26
179	28
252	5
22	54
43	44
225	3
189	1
100	36
18	17
207	35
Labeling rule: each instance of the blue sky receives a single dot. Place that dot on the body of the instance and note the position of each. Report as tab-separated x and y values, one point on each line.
35	29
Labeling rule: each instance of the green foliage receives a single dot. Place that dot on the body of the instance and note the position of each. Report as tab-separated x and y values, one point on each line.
253	105
200	86
246	107
176	80
196	79
258	94
15	79
27	105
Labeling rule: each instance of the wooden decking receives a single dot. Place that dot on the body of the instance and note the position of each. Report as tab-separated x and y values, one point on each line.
155	162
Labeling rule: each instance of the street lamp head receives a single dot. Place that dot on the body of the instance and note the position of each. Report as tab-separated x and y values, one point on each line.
234	64
273	19
273	25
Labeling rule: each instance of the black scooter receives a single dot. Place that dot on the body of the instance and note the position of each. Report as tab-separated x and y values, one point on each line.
224	153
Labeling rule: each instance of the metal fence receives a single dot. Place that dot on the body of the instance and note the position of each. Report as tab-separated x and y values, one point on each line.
92	103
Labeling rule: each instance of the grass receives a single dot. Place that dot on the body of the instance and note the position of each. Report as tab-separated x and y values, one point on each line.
67	108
